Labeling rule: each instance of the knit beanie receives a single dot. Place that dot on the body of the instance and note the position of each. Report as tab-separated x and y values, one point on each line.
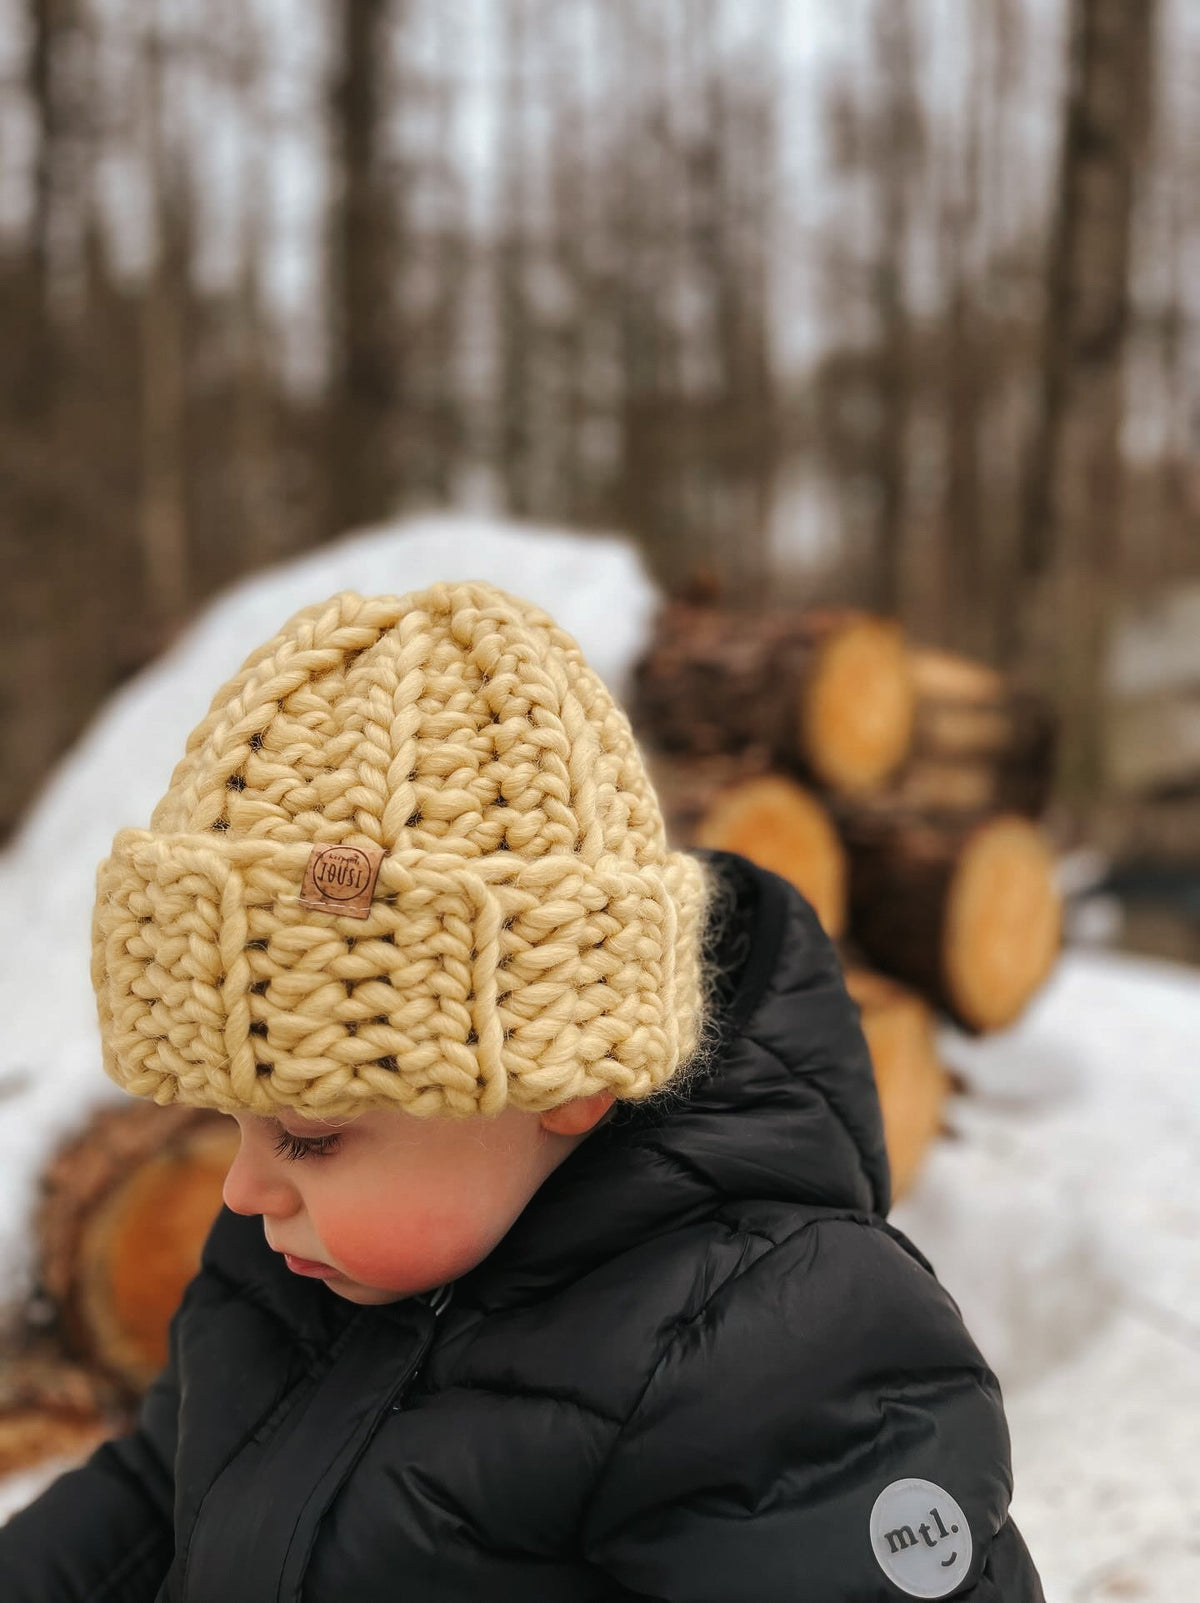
410	859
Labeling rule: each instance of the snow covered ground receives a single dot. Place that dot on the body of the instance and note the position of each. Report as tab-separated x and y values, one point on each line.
1064	1217
1063	1214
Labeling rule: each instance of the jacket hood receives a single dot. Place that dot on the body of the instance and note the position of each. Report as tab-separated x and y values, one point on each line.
786	1110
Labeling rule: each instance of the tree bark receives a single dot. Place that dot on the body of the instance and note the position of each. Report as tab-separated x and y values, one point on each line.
366	383
827	693
163	522
1070	538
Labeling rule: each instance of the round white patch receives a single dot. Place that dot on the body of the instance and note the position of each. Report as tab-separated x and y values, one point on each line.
921	1538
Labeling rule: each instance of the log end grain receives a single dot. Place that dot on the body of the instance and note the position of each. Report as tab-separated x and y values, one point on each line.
966	911
981	739
857	704
126	1210
1003	922
947	676
143	1246
779	825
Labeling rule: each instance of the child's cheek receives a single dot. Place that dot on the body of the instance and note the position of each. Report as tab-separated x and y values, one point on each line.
394	1249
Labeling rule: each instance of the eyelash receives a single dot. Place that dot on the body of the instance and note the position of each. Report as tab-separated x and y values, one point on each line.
293	1147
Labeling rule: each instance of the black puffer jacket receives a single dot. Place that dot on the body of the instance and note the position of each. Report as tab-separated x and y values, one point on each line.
700	1367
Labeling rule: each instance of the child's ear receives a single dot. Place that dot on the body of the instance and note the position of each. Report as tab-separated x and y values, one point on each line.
577	1116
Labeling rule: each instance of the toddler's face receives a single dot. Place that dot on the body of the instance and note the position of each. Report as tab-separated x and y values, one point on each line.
386	1205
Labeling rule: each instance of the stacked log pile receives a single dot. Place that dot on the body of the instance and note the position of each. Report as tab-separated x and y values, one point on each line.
899	787
124	1212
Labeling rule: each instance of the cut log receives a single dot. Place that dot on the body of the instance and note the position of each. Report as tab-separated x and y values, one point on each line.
30	1436
856	702
825	693
913	1084
728	804
968	913
687	787
981	743
782	827
126	1209
52	1409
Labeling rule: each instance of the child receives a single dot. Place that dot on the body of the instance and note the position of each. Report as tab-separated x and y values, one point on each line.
554	1261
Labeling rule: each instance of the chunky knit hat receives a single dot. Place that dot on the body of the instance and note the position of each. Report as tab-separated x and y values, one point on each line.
410	859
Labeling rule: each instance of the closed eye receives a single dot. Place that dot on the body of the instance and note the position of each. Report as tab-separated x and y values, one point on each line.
293	1147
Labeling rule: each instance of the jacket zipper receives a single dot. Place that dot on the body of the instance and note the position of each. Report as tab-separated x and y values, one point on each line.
438	1300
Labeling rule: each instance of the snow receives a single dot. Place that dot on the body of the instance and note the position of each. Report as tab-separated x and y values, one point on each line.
50	1076
1062	1210
17	1491
1106	1464
1063	1215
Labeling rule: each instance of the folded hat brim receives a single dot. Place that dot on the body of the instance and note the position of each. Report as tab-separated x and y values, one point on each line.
471	984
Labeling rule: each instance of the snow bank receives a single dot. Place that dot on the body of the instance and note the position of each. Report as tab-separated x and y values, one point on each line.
1090	1108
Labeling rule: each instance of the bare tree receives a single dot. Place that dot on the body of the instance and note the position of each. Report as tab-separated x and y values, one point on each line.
642	194
730	170
436	392
1070	548
163	519
896	142
580	313
514	252
366	248
257	448
866	383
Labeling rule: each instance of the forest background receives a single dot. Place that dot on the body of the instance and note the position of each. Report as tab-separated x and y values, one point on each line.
883	302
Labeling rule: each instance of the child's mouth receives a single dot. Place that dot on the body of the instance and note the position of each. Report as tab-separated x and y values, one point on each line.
306	1266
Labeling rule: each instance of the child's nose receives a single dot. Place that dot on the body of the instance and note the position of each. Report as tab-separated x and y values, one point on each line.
252	1186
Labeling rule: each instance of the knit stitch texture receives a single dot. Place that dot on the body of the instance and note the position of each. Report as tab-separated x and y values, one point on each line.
531	939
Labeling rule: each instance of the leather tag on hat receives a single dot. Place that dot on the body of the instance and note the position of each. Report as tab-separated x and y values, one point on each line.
341	879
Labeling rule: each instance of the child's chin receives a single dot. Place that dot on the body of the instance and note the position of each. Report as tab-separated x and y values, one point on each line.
365	1296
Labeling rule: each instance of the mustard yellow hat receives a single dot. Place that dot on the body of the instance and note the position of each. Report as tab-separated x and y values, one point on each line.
410	859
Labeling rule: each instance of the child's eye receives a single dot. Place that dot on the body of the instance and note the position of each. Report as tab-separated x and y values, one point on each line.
296	1146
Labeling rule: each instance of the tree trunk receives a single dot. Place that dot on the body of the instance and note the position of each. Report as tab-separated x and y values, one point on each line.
1070	539
163	512
896	147
366	383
